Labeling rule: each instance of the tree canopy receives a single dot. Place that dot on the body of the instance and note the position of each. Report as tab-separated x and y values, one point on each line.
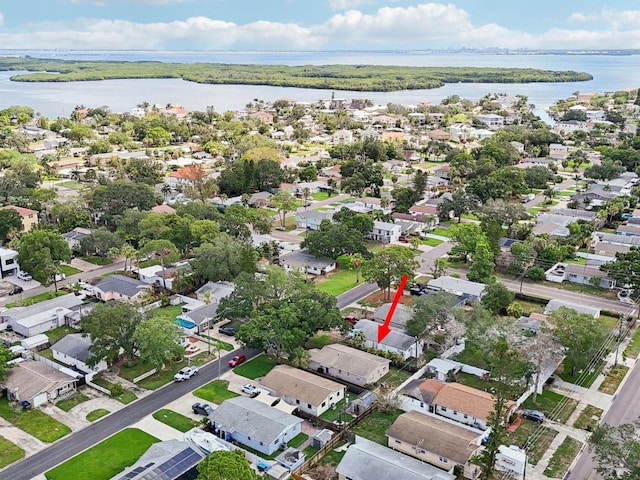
388	266
224	465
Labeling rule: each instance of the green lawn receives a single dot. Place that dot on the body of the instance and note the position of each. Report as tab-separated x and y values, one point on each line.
68	403
562	458
72	184
107	458
395	377
337	282
320	196
613	379
127	396
68	270
549	404
256	367
588	418
165	376
525	432
97	260
216	392
338	413
57	333
319	340
298	440
443	232
34	422
633	349
530	307
175	420
41	297
581	379
375	426
96	414
431	242
170	312
10	452
133	371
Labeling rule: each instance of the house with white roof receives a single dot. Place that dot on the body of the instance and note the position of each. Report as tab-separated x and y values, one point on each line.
472	290
305	262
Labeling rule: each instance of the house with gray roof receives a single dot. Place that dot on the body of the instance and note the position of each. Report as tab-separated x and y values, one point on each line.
215	291
348	364
198	319
471	290
305	262
120	287
575	213
73	350
254	424
311	219
366	460
401	315
75	236
168	460
37	383
395	342
44	316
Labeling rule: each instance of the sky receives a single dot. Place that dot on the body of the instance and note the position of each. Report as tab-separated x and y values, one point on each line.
318	24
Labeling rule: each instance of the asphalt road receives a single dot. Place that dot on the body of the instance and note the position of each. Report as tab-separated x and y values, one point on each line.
356	293
76	442
71	279
624	409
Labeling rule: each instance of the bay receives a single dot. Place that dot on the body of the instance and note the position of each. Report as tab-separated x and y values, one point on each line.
610	72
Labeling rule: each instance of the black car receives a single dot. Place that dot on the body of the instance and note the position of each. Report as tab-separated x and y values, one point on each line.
16	290
202	409
227	331
417	289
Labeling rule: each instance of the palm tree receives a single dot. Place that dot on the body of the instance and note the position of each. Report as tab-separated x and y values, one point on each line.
166	190
385	202
306	193
356	263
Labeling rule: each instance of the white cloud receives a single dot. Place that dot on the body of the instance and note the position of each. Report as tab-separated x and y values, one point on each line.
582	17
346	4
428	25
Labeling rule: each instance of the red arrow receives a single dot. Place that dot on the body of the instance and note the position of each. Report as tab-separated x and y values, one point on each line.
384	330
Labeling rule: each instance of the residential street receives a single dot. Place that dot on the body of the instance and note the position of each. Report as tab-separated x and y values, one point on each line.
351	296
625	408
75	443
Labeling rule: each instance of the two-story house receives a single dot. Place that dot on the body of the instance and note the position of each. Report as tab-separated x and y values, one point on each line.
385	232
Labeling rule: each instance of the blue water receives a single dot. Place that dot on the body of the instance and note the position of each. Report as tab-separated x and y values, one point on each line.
610	73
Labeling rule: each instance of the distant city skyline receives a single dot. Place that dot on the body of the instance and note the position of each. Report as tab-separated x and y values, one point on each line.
318	24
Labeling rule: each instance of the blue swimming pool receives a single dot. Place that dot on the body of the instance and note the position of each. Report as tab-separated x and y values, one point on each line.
185	323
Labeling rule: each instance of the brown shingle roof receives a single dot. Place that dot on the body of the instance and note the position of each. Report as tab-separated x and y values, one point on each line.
32	378
465	399
434	435
304	386
348	359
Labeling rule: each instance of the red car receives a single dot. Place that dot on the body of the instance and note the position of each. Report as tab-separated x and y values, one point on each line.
351	319
237	360
403	239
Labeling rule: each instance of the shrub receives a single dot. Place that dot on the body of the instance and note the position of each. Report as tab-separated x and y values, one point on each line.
536	273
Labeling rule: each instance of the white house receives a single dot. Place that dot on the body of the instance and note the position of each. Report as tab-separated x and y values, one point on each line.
75	236
385	232
349	364
43	316
254	424
303	261
556	304
8	262
395	342
457	286
73	350
308	392
558	151
491	120
311	219
37	383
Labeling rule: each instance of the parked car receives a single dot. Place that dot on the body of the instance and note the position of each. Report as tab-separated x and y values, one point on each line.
351	319
250	389
534	415
185	373
403	239
231	331
202	409
237	360
417	289
15	290
550	380
24	276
